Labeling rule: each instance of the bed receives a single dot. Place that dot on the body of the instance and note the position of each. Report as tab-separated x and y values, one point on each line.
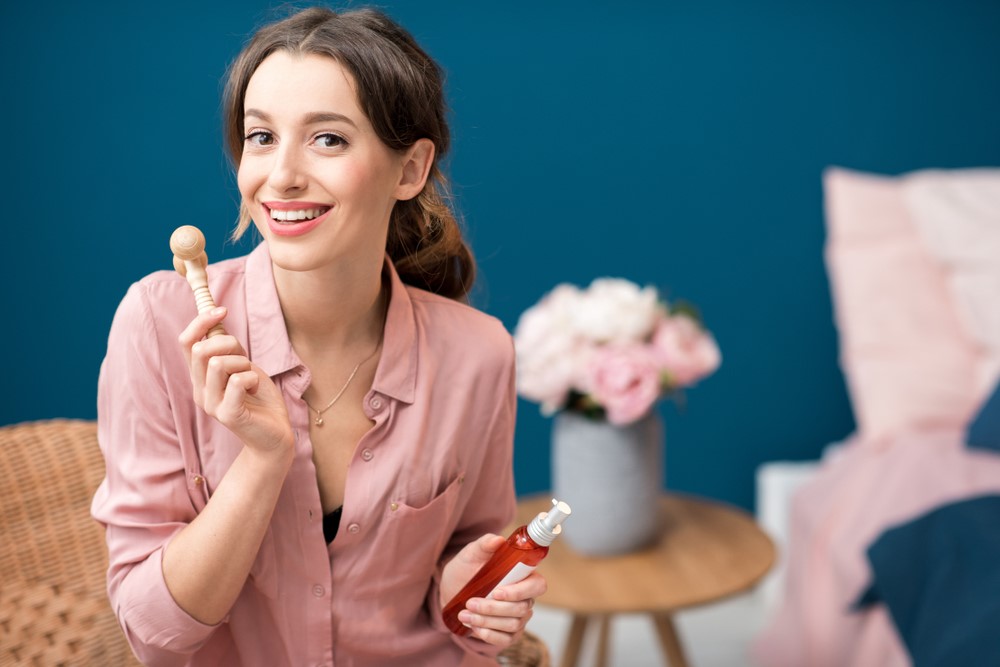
892	537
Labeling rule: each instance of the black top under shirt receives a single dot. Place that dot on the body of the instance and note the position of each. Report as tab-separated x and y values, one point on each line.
331	524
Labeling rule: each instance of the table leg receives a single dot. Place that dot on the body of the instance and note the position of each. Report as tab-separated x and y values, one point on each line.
603	640
669	640
574	641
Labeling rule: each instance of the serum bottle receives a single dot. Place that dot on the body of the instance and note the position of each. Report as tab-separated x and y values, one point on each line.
512	562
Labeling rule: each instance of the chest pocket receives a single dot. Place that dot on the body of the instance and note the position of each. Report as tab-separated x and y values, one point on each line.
418	536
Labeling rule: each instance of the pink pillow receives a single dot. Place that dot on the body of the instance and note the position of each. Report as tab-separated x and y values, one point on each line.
908	361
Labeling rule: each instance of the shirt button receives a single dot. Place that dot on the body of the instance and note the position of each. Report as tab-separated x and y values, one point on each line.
376	403
318	591
367	455
353	529
394	506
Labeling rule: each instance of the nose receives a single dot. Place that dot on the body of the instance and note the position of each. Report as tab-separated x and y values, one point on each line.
288	171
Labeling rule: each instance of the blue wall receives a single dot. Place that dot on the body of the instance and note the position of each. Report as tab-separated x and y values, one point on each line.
679	144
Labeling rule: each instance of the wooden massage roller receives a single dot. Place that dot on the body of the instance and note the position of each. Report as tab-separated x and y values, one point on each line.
190	260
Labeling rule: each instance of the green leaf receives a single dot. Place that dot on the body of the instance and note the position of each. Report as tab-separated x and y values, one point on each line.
686	308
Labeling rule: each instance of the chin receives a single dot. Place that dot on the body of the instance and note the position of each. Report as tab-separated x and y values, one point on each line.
293	259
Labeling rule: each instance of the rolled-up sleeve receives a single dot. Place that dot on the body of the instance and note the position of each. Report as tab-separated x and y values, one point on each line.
144	499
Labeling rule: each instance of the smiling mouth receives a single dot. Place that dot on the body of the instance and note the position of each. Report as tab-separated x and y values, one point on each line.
298	215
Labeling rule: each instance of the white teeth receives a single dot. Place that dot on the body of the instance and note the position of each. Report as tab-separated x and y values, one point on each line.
300	214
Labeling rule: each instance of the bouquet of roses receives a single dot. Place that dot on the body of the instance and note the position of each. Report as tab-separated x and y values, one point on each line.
609	351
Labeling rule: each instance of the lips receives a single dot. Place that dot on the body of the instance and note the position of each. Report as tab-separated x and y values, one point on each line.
294	218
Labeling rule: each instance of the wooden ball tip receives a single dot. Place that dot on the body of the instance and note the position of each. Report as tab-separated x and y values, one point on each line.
187	242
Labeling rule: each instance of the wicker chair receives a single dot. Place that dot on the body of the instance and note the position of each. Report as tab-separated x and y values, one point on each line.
53	606
530	651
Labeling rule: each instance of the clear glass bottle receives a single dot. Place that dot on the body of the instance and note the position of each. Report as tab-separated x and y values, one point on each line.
512	562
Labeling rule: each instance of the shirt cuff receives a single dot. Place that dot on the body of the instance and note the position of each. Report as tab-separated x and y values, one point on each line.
152	619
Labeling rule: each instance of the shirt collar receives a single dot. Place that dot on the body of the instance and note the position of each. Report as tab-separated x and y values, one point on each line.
267	335
396	375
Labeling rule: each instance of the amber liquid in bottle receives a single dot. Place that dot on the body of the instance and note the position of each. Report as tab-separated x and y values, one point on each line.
519	548
513	561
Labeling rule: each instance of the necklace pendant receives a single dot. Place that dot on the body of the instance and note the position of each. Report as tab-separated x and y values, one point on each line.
319	421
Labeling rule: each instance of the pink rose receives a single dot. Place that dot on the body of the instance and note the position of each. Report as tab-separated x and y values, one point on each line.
684	350
625	380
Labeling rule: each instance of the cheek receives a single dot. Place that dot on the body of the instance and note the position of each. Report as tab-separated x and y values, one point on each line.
248	183
364	182
244	180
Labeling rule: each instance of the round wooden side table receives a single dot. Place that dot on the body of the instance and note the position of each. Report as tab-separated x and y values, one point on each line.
707	551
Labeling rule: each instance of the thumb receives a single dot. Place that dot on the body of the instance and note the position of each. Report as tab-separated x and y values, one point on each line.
486	546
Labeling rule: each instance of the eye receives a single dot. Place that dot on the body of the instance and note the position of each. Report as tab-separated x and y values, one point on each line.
330	140
259	138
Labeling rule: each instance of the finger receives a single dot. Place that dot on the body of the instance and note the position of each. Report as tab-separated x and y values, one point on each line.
532	586
489	607
199	355
218	376
505	624
496	637
199	327
486	546
233	406
216	346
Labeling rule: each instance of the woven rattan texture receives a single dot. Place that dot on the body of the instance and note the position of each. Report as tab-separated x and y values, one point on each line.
529	651
53	606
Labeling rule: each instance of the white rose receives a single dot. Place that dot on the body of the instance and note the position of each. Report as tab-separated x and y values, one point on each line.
552	316
616	310
547	379
546	343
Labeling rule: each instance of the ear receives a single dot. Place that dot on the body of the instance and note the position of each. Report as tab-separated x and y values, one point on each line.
417	161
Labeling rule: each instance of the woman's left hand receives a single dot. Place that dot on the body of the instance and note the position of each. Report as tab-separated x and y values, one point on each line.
499	620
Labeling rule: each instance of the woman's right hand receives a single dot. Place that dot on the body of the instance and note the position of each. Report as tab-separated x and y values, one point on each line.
233	390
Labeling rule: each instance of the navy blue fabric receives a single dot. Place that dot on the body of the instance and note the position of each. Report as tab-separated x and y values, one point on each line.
939	577
331	524
984	431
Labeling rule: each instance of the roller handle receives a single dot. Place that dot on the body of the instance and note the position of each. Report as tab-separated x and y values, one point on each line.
188	245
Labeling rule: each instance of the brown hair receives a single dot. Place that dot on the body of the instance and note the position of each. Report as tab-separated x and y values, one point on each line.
400	90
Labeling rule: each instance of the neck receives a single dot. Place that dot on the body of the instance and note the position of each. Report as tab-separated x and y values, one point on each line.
333	310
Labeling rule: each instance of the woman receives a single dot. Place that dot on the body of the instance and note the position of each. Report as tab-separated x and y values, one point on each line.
313	486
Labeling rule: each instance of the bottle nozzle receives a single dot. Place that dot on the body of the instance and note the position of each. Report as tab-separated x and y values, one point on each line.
545	527
556	515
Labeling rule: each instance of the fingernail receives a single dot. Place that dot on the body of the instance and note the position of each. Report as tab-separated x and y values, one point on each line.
220	310
464	617
473	605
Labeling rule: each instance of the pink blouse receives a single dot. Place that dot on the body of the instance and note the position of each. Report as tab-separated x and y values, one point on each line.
433	474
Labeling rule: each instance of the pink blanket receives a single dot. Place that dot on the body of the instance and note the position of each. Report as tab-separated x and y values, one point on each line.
864	489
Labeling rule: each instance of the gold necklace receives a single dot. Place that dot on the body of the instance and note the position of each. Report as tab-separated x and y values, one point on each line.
319	413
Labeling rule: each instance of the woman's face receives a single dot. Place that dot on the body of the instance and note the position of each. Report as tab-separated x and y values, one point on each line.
319	184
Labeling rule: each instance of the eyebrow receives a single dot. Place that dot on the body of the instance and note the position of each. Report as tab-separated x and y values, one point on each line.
311	118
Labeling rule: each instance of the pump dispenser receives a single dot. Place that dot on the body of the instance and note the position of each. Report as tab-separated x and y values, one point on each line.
512	562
